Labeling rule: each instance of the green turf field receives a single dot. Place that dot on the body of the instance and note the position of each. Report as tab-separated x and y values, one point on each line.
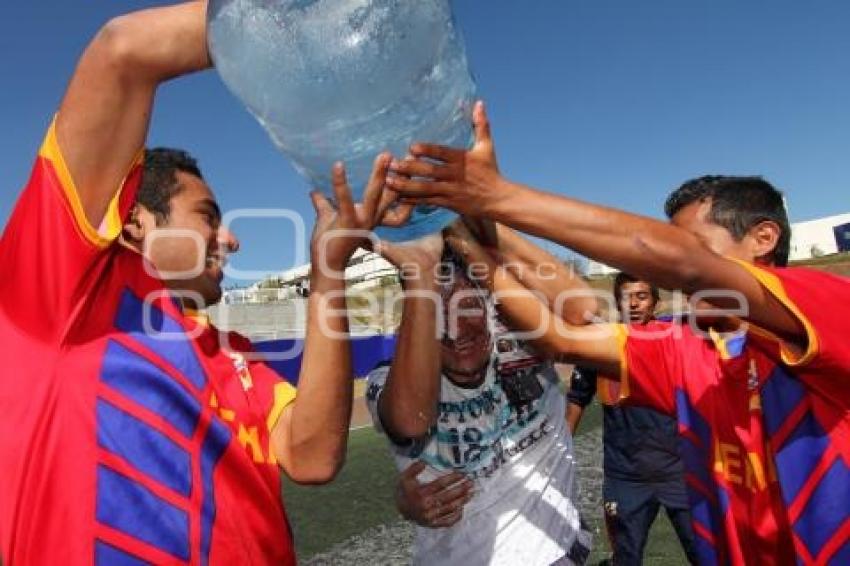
362	497
359	498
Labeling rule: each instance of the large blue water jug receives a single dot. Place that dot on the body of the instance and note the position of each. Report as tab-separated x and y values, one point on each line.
344	80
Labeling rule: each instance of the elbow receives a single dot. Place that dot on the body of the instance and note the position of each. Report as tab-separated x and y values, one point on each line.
406	416
582	311
316	471
117	46
408	423
410	429
313	461
316	475
408	426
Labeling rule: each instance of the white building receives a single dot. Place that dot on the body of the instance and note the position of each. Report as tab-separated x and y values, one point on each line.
364	270
822	236
597	269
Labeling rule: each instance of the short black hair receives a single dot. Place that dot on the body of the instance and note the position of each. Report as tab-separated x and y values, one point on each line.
159	180
737	204
622	278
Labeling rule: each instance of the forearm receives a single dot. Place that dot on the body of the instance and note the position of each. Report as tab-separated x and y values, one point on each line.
669	256
104	116
526	308
593	345
408	403
313	448
574	414
538	270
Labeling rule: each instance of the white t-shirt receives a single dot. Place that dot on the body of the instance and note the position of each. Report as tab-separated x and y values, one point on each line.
520	457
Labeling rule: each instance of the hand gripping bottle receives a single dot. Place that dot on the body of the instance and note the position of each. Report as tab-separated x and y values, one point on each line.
343	80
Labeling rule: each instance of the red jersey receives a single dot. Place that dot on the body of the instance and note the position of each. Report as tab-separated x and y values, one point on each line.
764	434
129	434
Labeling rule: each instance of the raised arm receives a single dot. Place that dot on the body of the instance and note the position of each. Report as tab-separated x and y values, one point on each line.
407	405
311	436
669	256
558	285
103	119
596	346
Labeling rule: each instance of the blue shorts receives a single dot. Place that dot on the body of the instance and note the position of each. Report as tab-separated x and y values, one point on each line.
631	508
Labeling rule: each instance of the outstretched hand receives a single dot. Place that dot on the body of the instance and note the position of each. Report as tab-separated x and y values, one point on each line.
437	504
341	229
466	181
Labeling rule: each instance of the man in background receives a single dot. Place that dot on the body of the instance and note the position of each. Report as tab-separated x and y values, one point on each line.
642	467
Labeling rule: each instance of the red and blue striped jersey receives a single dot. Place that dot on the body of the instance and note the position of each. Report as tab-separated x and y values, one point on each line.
764	433
129	432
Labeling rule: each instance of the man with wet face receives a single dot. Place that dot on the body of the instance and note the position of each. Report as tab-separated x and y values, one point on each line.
484	451
465	345
642	467
762	401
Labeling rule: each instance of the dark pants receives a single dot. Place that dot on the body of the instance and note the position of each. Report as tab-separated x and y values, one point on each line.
630	510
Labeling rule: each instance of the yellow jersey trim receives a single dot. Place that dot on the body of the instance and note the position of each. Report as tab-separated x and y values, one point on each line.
284	394
720	344
603	384
112	222
774	285
200	318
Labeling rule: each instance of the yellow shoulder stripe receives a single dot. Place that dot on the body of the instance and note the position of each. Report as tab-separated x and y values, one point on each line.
720	344
112	222
284	394
774	285
608	390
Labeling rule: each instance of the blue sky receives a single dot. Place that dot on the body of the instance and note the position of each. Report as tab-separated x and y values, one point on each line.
612	101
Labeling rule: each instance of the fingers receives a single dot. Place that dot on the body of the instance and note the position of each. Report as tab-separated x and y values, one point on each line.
446	508
342	192
416	168
442	482
413	470
459	229
447	520
425	201
388	198
320	203
416	188
436	504
438	152
374	193
456	495
397	216
456	503
481	124
391	212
